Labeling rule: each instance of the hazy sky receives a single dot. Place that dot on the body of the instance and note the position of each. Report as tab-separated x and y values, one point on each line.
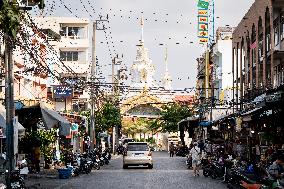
166	21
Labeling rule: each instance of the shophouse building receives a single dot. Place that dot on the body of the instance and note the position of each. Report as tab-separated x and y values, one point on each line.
72	51
258	74
258	51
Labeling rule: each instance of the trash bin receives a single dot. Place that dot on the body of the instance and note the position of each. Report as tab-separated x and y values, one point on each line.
64	173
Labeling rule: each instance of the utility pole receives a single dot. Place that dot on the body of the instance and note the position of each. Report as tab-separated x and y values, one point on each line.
9	104
115	92
92	130
93	88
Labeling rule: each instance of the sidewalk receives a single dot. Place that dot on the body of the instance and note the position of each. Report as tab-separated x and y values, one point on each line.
49	179
44	180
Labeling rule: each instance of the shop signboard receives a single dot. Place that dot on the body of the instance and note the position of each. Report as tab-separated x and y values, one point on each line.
203	21
62	92
275	97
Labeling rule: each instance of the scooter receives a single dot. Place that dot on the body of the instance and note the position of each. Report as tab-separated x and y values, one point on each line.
239	178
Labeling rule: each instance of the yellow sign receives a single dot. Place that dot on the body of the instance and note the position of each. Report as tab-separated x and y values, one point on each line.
203	34
203	19
203	27
202	12
203	40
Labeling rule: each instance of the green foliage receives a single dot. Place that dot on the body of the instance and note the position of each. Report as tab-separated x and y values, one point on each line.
106	117
10	19
171	115
43	139
155	126
151	140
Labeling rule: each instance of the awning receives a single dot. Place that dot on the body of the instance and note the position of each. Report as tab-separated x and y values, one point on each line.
3	119
220	118
251	111
205	123
247	116
53	119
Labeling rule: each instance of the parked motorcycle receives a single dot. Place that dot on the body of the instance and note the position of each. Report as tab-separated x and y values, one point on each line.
17	181
239	178
84	166
207	169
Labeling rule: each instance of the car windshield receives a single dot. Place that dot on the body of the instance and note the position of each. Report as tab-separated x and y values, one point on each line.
138	147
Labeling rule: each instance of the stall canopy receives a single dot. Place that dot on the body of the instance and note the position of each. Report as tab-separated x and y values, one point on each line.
205	123
3	119
53	119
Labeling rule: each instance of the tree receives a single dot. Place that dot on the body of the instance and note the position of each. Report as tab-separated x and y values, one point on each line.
171	115
106	117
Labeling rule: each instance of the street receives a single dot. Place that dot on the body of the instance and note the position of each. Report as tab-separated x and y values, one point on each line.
168	173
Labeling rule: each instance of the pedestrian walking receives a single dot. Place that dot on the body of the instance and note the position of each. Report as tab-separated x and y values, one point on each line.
172	149
195	154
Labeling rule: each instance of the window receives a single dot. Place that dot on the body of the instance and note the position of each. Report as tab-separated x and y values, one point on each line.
282	26
268	42
137	147
276	31
73	32
73	56
69	56
260	49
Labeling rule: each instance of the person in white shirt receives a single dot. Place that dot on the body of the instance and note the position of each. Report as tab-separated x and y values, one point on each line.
195	155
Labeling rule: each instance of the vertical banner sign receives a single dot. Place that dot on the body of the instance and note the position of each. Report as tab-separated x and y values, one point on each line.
203	21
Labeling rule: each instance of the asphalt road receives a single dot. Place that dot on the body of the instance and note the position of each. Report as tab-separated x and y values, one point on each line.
168	173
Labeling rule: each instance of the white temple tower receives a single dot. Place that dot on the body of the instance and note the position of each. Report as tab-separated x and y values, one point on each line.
167	79
142	69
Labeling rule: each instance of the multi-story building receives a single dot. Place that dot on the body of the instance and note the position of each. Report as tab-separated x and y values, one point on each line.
30	80
71	60
258	48
258	72
201	74
222	67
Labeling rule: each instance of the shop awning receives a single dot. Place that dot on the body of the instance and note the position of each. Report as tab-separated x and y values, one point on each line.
3	119
251	111
205	123
53	119
220	118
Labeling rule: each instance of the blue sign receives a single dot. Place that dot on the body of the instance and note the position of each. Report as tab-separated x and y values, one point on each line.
62	92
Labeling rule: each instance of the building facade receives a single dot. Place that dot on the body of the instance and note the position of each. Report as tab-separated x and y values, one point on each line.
71	60
257	64
222	73
258	74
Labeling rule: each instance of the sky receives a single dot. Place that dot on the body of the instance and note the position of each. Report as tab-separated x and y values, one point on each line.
172	23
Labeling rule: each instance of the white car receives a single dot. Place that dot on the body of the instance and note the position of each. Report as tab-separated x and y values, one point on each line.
137	153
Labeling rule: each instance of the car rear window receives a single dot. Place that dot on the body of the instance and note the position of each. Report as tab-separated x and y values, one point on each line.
137	147
128	140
